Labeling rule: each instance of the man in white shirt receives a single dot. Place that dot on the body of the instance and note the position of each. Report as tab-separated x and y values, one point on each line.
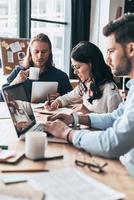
116	130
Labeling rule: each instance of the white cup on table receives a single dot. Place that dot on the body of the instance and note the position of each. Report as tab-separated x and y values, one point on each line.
34	73
35	145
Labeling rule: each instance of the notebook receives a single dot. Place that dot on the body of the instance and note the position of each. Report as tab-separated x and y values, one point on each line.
21	112
40	90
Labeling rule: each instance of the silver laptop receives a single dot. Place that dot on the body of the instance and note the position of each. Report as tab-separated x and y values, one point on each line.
40	90
21	112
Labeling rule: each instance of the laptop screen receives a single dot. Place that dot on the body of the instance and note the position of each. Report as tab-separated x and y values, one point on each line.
19	107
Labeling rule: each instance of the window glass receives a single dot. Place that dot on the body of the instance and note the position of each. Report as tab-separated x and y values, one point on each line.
56	35
8	24
8	18
52	10
48	10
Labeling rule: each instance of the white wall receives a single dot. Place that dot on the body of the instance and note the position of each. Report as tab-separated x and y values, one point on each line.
102	11
94	21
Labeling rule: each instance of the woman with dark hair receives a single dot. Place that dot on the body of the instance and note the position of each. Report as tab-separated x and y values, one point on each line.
39	54
96	85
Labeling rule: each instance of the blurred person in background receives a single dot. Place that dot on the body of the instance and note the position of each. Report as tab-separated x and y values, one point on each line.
39	54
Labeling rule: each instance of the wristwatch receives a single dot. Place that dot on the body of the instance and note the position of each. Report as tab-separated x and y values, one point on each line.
75	119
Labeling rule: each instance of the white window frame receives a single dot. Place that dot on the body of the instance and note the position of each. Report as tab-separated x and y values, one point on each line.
67	37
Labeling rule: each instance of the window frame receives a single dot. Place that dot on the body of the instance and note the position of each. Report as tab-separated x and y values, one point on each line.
26	19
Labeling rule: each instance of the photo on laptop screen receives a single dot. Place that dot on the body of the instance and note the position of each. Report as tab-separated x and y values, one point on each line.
40	90
20	110
22	114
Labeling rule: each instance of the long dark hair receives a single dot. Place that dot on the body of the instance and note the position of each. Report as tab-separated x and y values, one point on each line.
87	52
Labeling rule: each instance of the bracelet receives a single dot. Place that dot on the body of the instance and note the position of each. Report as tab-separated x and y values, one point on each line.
67	136
75	118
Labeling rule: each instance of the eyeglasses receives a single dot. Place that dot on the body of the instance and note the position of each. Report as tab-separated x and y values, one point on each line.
76	67
95	167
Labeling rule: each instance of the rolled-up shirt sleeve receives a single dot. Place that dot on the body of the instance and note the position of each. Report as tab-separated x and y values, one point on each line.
96	142
117	136
106	120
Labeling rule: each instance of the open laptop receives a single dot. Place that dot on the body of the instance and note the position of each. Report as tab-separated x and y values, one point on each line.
40	90
22	114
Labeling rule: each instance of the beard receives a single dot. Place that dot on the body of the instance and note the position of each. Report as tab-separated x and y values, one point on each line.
124	68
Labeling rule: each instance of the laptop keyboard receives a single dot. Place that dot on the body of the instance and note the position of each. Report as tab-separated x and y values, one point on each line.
39	127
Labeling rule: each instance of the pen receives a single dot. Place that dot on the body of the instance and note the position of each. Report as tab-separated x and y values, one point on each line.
50	158
24	170
45	113
49	99
40	107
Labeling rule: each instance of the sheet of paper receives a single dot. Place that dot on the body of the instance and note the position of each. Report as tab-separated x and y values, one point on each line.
5	197
73	185
10	58
4	112
40	108
37	105
15	47
20	191
64	110
59	110
22	44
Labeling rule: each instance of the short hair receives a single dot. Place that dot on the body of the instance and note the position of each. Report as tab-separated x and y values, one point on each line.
122	28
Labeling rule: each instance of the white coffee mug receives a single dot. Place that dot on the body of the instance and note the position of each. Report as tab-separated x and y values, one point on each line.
34	73
35	145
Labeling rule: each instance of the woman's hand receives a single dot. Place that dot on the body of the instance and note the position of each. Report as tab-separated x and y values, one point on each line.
67	119
57	128
52	105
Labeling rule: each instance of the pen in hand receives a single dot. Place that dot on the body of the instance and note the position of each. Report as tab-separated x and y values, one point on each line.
49	99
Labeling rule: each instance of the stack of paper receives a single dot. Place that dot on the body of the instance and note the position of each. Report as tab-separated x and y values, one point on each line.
70	184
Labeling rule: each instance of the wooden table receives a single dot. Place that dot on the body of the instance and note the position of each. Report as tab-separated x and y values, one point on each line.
116	175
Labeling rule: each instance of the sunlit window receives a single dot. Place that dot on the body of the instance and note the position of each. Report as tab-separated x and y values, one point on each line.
52	11
8	18
51	17
8	24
